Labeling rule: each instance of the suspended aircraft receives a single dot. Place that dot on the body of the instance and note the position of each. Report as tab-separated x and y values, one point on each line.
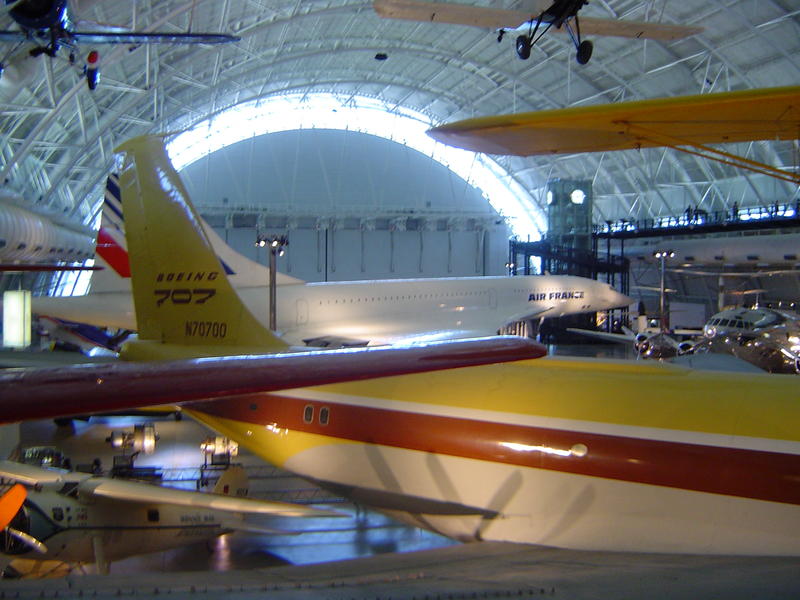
528	18
687	124
341	314
51	25
78	518
570	453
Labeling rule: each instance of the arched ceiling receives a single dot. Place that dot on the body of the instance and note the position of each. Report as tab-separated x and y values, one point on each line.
58	137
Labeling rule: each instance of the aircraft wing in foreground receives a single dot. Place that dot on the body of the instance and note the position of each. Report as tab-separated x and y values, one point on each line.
83	389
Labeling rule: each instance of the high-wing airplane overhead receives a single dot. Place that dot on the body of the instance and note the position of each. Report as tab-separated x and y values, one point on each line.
532	17
50	24
685	123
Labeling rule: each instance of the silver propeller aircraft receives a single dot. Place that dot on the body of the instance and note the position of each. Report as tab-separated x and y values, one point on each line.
53	514
765	337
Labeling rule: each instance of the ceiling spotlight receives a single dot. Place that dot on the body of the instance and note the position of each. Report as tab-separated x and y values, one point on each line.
577	196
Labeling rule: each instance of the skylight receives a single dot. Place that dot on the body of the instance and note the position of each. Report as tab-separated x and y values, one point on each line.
366	115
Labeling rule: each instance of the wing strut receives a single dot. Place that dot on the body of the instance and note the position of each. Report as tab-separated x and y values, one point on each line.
710	153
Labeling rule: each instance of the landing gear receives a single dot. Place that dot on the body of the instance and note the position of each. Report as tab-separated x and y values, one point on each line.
524	45
584	48
584	52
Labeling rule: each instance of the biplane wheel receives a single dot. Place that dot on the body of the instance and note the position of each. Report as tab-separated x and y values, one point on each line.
584	52
524	47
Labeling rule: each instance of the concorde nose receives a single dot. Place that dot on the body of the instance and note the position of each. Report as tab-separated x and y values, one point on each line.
617	299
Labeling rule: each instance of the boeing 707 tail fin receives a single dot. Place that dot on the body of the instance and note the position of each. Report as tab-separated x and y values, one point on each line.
185	305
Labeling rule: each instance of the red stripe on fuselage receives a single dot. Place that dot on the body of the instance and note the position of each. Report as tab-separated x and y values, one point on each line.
760	475
114	254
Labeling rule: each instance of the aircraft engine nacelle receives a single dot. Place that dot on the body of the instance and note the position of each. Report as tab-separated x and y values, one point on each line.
39	14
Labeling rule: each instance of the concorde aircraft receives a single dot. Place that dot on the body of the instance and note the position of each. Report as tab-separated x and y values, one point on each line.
572	453
333	314
78	517
528	17
51	25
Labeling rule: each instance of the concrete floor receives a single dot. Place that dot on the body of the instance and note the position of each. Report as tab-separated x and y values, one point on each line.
482	570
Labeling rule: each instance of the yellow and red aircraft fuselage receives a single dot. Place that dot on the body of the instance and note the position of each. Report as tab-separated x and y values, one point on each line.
574	453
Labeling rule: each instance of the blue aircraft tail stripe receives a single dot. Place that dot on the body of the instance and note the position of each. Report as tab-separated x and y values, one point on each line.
113	201
112	189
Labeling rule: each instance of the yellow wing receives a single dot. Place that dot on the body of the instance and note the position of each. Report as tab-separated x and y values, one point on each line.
764	114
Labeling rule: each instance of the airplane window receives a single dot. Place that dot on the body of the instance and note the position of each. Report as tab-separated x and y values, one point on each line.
725	322
324	415
308	414
152	515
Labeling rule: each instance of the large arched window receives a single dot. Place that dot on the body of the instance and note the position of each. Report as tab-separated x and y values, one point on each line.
367	115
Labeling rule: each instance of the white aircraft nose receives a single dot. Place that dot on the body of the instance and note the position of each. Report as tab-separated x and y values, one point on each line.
618	299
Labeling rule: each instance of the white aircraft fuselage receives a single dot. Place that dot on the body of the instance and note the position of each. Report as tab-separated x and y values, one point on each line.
587	454
73	531
382	311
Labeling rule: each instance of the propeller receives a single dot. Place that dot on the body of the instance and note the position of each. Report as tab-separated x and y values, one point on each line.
10	504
